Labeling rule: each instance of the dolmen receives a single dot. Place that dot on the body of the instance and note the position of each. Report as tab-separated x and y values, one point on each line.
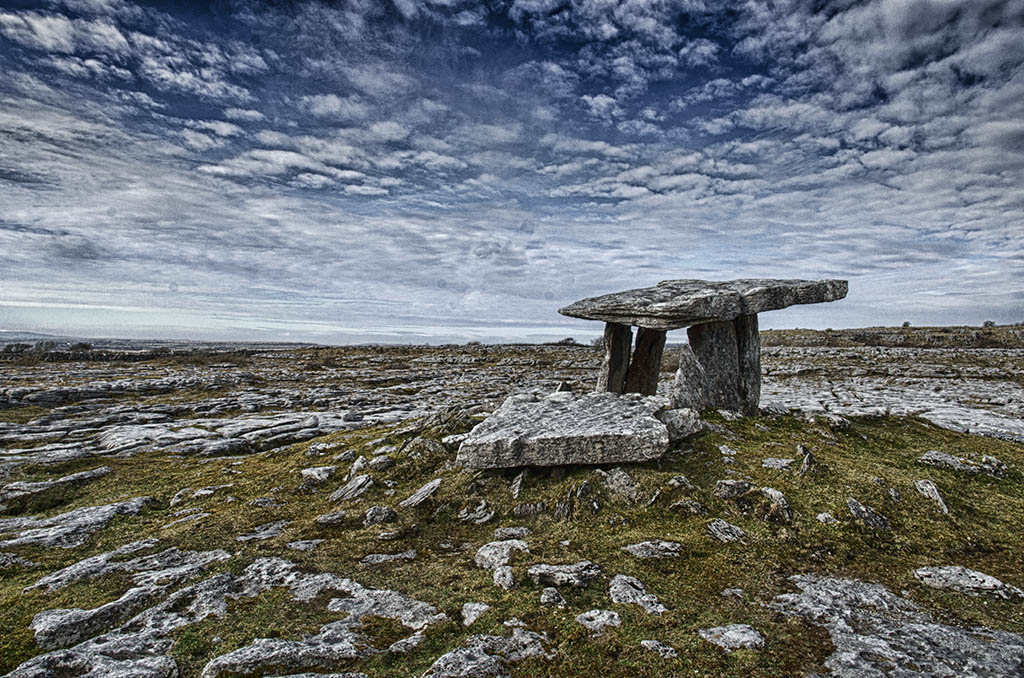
722	367
625	420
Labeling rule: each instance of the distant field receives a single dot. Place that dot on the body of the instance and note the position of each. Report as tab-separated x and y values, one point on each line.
957	336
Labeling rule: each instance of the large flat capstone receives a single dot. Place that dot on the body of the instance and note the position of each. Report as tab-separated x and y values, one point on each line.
674	304
567	428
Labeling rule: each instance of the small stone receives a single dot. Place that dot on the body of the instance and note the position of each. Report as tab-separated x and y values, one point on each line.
630	590
578	574
478	515
733	637
691	506
355	487
732	593
381	463
527	510
777	463
826	518
503	578
663	650
730	489
318	474
403	646
620	483
928	489
988	465
517	484
681	423
725	532
964	580
472	611
378	558
551	596
868	515
501	533
336	518
265	531
305	544
598	620
683	483
378	515
657	548
498	553
421	495
779	510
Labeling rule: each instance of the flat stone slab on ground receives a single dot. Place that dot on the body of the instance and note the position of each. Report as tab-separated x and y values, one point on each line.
674	304
567	428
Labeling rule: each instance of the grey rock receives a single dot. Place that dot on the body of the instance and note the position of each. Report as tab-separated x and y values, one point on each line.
631	591
327	519
378	515
551	596
421	495
964	580
657	548
304	544
498	553
868	515
725	532
690	389
501	533
663	650
318	474
407	644
598	620
730	489
381	463
478	515
989	465
10	560
620	484
874	630
732	593
503	578
674	304
23	489
578	574
265	531
61	628
716	348
826	518
682	483
517	484
565	428
777	463
733	637
928	489
354	488
528	509
67	530
472	611
484	656
691	506
779	510
681	423
379	558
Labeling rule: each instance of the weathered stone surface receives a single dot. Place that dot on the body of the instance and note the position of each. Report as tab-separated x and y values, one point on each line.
565	428
681	423
715	347
487	656
70	529
733	637
503	578
730	489
645	365
874	630
928	489
690	385
22	489
618	340
748	346
318	474
377	515
620	484
868	515
598	620
265	531
673	304
498	553
779	510
379	558
631	591
657	548
501	533
551	596
479	514
578	574
964	580
777	463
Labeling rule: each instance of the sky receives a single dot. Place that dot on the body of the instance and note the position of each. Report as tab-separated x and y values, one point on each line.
445	170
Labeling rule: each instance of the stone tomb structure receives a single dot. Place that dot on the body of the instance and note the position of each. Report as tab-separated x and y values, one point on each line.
722	367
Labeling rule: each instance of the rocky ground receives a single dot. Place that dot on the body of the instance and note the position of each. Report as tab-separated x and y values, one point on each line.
300	512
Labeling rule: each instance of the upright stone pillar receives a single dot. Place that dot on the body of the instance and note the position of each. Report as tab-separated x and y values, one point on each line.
645	366
617	341
748	345
715	347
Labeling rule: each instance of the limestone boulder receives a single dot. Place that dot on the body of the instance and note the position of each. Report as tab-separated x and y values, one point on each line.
567	428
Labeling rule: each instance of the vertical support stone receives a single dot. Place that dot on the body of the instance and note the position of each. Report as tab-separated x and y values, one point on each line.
645	366
715	347
748	345
690	387
617	341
